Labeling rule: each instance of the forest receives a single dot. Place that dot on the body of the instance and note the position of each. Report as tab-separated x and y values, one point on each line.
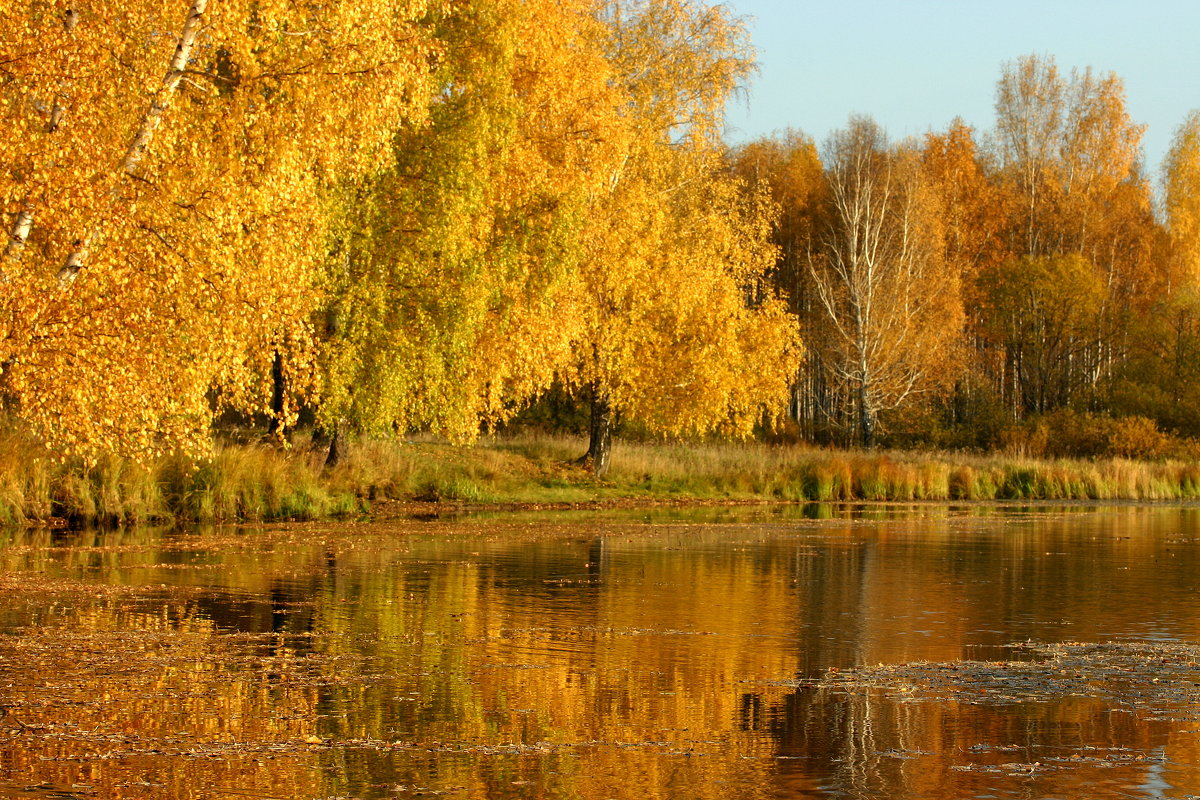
374	217
953	287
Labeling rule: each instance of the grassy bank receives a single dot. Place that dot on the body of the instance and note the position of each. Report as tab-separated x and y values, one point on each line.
253	481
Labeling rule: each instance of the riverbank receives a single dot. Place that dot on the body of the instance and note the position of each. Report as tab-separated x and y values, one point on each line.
260	482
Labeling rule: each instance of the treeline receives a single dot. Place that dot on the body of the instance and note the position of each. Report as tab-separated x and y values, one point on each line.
375	217
383	215
1015	289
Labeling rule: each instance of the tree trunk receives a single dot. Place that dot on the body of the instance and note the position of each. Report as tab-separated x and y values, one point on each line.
278	428
337	446
866	418
150	122
600	436
162	98
17	237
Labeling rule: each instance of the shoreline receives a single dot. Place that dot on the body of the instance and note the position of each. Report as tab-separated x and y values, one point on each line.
390	479
383	512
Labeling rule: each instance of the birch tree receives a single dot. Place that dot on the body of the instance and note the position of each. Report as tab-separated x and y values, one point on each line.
452	269
892	312
1181	185
168	160
1030	99
1161	376
1043	310
677	327
1066	145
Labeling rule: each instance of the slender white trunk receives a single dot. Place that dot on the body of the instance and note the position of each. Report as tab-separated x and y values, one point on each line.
162	98
23	224
74	262
150	122
16	239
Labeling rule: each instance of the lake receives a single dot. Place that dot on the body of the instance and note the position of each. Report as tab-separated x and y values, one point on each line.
703	653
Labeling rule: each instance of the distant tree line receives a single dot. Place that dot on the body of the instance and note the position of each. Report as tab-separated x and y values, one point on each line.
951	287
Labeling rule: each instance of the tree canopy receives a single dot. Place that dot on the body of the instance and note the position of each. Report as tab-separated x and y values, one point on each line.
417	215
163	181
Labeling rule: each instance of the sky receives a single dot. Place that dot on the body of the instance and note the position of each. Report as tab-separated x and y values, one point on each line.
914	65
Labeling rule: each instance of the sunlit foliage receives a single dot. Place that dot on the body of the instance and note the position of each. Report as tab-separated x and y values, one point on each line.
451	273
161	175
385	217
677	327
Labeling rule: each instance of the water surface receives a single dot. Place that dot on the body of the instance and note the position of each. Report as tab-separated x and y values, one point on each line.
586	655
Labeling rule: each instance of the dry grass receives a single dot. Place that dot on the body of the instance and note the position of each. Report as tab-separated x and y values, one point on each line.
256	481
798	473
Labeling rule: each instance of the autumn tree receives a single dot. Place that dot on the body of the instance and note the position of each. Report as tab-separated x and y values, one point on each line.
788	167
1069	153
1029	120
892	312
1161	375
1069	148
162	170
677	328
1044	310
1181	189
975	211
451	271
1161	378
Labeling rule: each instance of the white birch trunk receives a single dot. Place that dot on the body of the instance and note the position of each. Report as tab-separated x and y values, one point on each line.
150	122
23	224
162	98
74	262
16	239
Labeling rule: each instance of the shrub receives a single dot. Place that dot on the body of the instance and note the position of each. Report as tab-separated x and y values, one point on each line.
1136	437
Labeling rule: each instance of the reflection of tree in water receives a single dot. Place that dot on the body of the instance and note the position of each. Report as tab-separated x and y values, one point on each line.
862	592
867	744
607	660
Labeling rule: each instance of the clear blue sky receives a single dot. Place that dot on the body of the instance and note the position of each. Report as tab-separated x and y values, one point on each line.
914	65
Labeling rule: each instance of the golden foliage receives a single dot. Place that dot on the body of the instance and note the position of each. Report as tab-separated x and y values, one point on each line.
204	248
677	326
453	280
1181	179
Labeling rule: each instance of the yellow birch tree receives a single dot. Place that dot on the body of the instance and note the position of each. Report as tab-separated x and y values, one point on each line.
451	289
1181	185
162	166
677	326
1067	147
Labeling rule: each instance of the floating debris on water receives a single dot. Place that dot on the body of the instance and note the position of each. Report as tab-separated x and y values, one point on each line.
1157	679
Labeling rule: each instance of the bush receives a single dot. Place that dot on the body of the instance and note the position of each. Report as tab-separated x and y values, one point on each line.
1066	433
1137	437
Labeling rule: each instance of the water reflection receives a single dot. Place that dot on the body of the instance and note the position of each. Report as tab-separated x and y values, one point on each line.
631	655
